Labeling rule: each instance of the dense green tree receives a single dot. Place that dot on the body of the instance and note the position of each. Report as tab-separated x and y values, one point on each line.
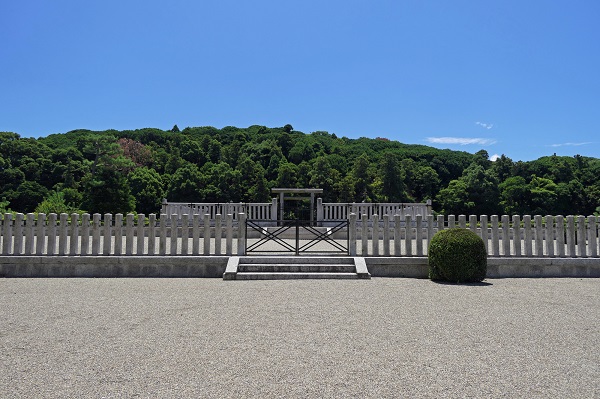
147	188
392	184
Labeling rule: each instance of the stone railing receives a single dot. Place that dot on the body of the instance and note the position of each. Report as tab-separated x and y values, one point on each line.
548	236
388	235
262	211
93	235
339	211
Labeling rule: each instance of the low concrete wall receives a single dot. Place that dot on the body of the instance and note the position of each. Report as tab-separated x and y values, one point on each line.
417	267
113	266
214	266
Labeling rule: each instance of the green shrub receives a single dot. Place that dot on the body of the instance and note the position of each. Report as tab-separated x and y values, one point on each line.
457	255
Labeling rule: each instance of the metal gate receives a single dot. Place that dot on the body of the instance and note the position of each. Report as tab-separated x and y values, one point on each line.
296	236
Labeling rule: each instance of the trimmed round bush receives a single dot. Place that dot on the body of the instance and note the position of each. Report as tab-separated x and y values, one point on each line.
458	256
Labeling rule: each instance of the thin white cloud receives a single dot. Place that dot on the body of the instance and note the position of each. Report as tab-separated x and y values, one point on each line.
569	144
487	126
494	157
460	140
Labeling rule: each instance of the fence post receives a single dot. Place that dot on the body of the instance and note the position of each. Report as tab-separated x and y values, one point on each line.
539	236
319	211
196	234
375	235
107	234
560	236
571	237
85	234
273	211
174	228
495	238
29	233
129	234
592	240
473	224
419	232
550	236
430	231
51	250
581	236
397	235
118	229
462	221
386	235
241	250
207	234
483	221
41	234
352	234
218	233
505	235
364	235
451	221
141	221
7	233
229	234
517	234
151	234
162	239
528	235
74	234
408	235
185	233
62	239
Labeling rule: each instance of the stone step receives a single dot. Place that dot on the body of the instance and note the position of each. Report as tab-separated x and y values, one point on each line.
296	268
311	260
292	276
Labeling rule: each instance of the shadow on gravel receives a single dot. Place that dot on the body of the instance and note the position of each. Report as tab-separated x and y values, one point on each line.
481	284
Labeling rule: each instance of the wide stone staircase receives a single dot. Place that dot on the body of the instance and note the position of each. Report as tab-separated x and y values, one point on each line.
295	267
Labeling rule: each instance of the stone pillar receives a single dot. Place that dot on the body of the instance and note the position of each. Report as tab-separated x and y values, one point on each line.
505	235
592	239
419	235
118	232
386	235
274	210
473	224
29	233
430	231
397	235
51	250
549	236
218	233
85	234
196	234
229	234
462	221
74	234
516	220
140	234
352	234
451	221
206	234
96	234
185	233
560	236
174	228
539	236
63	233
7	234
151	234
319	211
408	235
241	234
571	237
129	234
364	236
162	239
107	234
495	236
429	208
581	236
41	234
528	235
375	239
483	221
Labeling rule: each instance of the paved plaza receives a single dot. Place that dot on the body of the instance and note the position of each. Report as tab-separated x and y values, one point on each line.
179	338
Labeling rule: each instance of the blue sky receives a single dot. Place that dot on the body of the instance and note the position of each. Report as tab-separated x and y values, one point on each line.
520	78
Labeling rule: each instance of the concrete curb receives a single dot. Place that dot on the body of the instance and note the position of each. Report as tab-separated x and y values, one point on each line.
216	266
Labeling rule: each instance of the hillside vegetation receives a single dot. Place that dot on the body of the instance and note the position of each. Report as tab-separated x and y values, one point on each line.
132	170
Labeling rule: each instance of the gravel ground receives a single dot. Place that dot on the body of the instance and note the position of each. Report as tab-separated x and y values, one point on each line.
174	338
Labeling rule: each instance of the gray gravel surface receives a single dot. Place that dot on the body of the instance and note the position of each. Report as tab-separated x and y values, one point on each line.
174	338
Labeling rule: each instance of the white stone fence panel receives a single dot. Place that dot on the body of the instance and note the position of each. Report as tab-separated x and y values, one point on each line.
504	236
93	235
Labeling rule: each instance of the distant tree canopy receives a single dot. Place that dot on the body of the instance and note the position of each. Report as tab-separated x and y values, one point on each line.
132	170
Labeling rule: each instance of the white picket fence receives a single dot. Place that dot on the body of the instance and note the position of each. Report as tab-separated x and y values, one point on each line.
388	235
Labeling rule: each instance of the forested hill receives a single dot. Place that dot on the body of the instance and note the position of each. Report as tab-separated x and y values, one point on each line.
132	170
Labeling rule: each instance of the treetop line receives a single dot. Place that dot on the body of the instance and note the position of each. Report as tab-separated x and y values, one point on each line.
133	170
